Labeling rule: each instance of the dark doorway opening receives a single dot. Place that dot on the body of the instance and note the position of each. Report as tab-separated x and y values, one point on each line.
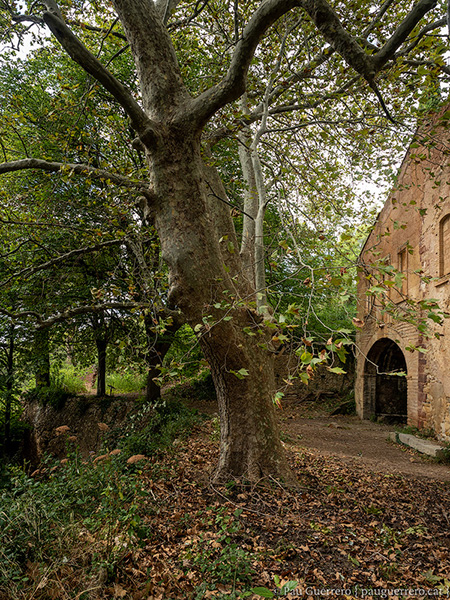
385	391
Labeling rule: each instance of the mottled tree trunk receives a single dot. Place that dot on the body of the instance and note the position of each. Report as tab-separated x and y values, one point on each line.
204	273
250	446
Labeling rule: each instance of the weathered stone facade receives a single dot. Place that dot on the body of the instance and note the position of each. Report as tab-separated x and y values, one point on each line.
411	234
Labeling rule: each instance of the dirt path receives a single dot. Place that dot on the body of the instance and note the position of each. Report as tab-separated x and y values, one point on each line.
349	439
358	442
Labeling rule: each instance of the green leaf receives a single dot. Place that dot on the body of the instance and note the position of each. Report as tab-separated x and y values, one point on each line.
241	373
288	587
263	592
337	370
306	357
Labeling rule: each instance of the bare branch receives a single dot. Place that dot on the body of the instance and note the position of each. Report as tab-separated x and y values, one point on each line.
79	169
379	15
62	258
198	8
88	27
225	201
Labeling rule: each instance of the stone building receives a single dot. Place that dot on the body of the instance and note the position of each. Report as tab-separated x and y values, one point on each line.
404	266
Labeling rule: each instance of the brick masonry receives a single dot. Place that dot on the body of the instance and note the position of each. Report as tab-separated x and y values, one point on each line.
411	234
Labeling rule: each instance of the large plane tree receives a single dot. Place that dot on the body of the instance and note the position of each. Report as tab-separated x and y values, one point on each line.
184	197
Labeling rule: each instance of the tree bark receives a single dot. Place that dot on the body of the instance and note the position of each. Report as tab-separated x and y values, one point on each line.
200	281
9	387
250	446
158	348
41	353
101	344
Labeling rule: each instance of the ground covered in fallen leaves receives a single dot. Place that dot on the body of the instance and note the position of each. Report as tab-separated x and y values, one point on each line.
342	529
346	532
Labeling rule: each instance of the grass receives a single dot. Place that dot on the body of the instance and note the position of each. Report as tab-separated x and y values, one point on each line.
71	379
126	382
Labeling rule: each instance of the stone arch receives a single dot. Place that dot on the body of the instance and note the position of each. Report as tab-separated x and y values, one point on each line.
385	393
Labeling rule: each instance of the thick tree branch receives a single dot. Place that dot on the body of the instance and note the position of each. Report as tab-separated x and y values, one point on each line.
21	315
42	322
402	32
79	169
430	27
27	19
233	84
160	77
328	23
330	26
148	131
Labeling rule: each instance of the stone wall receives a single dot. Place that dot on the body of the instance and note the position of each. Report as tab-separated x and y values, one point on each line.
322	382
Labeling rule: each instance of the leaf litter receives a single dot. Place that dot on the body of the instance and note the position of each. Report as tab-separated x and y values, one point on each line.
343	528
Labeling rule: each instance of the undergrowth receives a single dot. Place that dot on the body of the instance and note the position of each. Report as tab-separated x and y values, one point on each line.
154	428
80	512
83	512
126	382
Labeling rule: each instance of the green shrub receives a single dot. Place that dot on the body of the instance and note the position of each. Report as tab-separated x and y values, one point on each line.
154	428
93	510
53	395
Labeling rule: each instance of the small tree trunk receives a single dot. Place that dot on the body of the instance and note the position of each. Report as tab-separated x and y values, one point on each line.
101	344
250	197
158	348
9	388
42	357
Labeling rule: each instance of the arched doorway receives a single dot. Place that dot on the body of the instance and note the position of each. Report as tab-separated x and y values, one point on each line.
385	392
